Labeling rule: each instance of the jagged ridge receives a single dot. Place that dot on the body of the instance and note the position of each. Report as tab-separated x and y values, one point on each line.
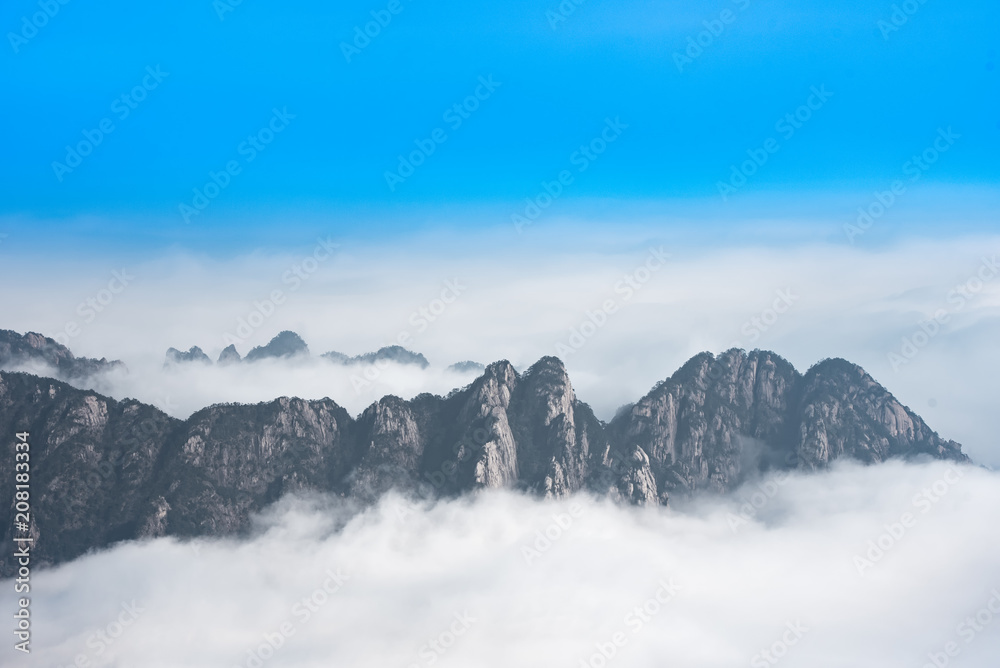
106	470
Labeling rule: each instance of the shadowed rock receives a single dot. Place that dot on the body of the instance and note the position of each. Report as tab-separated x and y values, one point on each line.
104	470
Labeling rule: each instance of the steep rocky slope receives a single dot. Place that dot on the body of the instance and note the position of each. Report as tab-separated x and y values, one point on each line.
106	470
34	350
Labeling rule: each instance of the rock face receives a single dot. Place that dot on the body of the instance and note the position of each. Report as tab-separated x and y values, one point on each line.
696	425
843	412
92	459
104	470
33	350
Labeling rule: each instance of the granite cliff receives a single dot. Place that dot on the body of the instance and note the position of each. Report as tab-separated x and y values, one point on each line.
106	470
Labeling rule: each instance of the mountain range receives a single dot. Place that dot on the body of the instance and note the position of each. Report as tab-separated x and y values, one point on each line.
289	344
33	350
105	470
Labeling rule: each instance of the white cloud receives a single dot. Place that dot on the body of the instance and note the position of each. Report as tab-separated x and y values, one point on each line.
456	572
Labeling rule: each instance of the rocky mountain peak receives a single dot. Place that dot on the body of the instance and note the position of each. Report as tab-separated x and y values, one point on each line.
502	372
229	355
285	344
549	368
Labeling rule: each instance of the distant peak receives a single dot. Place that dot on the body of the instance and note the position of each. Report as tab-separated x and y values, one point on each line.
229	355
397	354
285	344
194	354
467	366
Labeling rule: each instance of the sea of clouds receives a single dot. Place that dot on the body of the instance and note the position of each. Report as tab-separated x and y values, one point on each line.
884	566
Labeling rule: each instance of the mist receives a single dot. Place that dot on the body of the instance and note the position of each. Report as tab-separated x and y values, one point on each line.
881	566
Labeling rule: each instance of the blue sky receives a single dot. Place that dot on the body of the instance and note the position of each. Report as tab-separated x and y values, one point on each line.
222	78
